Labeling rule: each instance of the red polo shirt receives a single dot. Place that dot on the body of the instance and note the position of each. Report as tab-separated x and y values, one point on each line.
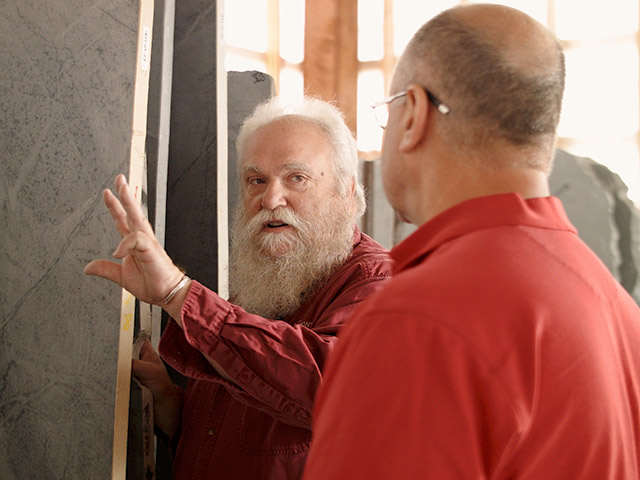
502	348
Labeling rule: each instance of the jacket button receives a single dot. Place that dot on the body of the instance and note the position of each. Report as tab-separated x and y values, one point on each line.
211	432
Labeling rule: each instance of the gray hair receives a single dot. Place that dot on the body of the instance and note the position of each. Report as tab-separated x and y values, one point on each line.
327	117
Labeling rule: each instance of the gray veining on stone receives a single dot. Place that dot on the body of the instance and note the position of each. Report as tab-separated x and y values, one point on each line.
66	90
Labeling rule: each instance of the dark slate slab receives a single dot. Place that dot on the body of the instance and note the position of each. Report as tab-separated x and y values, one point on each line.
245	91
191	228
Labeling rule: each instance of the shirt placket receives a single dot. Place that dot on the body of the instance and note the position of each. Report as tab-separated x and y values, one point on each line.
215	416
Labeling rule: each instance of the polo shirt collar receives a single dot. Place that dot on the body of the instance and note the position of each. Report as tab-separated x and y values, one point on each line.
478	214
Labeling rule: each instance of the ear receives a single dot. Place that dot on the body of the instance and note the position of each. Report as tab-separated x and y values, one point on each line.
351	194
414	119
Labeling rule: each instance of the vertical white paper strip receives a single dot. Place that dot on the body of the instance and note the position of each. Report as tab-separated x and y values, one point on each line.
222	156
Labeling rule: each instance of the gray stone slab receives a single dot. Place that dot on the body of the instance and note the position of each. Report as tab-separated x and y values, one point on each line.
588	206
403	230
157	145
379	219
140	443
626	219
597	203
245	91
159	112
191	230
66	88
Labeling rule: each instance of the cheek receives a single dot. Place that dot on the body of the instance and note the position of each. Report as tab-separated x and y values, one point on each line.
306	205
389	181
390	161
300	203
251	203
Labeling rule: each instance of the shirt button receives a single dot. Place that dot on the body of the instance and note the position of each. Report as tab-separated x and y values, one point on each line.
211	432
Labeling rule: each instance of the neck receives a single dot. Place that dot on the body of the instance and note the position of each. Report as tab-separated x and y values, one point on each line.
464	184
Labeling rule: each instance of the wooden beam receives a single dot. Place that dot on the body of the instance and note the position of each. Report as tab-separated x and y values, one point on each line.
330	65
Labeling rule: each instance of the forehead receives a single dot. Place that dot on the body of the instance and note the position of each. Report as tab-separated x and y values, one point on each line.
288	140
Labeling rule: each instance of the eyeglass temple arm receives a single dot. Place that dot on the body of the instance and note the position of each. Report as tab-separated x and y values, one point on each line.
439	105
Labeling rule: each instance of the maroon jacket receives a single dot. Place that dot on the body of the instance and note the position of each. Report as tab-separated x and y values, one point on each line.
259	427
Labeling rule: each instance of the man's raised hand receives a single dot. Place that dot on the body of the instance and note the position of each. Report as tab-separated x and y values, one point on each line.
146	270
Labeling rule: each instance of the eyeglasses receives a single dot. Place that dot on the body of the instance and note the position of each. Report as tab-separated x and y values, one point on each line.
381	108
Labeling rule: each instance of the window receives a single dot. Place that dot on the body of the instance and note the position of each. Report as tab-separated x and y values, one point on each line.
601	107
269	39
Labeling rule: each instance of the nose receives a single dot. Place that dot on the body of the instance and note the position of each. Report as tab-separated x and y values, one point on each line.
274	196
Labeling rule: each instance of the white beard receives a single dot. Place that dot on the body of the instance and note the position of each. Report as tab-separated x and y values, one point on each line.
271	284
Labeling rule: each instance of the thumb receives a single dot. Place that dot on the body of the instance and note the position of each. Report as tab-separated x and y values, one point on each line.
143	371
104	268
148	354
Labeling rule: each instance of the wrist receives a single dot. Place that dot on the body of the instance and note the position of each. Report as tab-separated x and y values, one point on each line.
174	291
174	307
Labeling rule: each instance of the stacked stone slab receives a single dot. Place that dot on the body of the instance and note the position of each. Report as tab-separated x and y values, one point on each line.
597	203
66	86
245	91
66	89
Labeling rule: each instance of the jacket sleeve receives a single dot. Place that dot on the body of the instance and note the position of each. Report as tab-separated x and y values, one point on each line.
273	366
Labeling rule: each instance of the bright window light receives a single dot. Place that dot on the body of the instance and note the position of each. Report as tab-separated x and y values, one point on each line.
370	30
370	90
409	16
579	19
239	63
291	84
601	95
245	24
292	30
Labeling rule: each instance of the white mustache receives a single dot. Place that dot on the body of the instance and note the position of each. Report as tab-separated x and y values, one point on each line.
283	214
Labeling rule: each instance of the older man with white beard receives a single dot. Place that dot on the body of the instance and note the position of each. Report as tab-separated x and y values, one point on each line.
299	268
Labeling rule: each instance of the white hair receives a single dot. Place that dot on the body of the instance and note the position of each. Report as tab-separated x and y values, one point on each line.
330	120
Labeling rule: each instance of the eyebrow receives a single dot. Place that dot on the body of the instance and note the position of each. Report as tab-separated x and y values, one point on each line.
287	167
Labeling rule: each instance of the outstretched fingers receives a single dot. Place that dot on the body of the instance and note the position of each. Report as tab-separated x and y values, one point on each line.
146	270
136	218
136	243
117	213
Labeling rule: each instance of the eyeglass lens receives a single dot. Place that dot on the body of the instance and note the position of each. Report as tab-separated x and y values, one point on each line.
381	114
